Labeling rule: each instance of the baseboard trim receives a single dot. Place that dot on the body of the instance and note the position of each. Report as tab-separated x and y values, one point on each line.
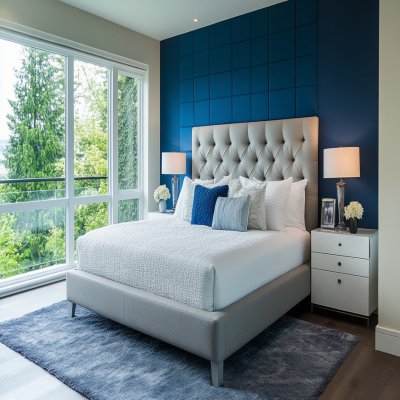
387	341
32	283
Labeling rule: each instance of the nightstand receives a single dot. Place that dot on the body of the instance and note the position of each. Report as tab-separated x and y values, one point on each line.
158	215
344	270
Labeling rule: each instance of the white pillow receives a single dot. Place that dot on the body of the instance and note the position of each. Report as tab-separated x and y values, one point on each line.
276	197
181	198
257	218
189	195
211	181
205	181
295	207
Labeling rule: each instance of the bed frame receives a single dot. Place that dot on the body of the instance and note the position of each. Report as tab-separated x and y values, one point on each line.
266	150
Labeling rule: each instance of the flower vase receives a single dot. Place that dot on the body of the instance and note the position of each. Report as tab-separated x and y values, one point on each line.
353	225
162	206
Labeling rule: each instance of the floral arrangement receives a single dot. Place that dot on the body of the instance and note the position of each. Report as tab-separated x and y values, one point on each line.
161	193
354	210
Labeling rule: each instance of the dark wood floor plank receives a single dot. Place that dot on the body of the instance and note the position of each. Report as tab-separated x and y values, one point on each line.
365	373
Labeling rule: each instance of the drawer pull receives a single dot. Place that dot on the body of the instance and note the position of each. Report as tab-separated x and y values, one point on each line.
339	281
340	244
339	263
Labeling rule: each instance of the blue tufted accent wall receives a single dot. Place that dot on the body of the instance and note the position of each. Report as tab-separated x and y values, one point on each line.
258	66
295	59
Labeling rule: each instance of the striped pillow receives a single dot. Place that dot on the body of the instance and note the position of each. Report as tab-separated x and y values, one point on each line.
231	214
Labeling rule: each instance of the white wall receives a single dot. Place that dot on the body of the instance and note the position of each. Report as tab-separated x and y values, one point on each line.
388	330
60	19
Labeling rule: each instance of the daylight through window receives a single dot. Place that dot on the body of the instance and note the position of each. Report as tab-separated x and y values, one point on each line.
62	117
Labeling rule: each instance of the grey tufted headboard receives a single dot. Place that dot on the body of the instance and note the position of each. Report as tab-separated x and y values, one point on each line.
267	150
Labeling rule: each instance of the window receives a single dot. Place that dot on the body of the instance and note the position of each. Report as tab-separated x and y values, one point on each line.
70	152
90	129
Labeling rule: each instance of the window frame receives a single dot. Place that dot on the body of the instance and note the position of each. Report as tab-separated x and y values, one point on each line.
57	272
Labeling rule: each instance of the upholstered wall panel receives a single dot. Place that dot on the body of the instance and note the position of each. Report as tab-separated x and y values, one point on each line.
245	69
348	93
299	58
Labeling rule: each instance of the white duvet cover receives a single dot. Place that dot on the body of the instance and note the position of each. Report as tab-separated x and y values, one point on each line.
192	264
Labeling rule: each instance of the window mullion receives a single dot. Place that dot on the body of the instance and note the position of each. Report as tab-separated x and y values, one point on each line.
69	161
114	145
140	145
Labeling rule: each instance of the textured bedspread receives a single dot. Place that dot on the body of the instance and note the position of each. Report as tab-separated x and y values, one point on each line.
192	264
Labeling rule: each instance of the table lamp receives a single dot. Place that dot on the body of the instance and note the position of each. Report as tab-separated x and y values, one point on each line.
342	162
174	163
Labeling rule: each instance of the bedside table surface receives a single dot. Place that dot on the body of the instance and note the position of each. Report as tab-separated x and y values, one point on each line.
159	215
360	232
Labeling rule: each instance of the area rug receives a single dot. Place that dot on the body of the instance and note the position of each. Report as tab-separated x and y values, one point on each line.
104	360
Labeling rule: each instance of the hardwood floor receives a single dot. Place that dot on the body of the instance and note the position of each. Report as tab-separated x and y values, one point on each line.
365	374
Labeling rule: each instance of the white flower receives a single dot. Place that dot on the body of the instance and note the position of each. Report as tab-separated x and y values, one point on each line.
161	193
354	210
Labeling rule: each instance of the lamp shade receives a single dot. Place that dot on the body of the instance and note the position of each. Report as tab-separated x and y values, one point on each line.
342	162
173	163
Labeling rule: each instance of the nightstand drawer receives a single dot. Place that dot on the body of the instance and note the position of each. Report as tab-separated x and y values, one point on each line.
351	294
340	244
341	264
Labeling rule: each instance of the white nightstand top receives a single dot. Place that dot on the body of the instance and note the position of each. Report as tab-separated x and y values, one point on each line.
360	232
159	215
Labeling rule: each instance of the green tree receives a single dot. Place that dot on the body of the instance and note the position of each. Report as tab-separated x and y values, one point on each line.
9	246
128	210
36	143
91	144
37	139
36	239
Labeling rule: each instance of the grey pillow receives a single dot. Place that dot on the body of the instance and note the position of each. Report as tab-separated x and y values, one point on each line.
231	214
257	218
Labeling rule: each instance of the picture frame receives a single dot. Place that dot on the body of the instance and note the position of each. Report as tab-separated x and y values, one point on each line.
328	213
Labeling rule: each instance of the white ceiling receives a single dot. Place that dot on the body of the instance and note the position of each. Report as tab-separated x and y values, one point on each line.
162	19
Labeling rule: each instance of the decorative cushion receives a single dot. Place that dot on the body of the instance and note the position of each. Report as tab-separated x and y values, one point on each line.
295	207
234	187
204	203
189	196
276	196
257	218
231	214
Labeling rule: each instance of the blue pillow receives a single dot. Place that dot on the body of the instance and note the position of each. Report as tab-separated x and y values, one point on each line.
204	203
231	214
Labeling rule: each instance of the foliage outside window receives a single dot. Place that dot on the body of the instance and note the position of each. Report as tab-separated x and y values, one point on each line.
35	148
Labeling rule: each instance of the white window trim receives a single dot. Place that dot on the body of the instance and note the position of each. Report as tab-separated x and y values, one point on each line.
115	64
22	32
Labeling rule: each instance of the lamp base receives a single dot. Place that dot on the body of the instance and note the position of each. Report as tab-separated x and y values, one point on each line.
341	196
175	186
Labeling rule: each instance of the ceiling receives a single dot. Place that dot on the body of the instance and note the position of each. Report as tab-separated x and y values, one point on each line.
162	19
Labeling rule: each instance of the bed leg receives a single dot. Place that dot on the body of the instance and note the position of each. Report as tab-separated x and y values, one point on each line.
217	373
71	309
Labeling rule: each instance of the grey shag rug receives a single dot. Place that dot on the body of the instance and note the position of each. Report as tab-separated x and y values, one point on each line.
104	360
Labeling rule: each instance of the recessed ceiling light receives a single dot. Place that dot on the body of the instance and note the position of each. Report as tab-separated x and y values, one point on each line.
196	20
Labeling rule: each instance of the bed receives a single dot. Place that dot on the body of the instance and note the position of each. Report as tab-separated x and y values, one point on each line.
211	302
